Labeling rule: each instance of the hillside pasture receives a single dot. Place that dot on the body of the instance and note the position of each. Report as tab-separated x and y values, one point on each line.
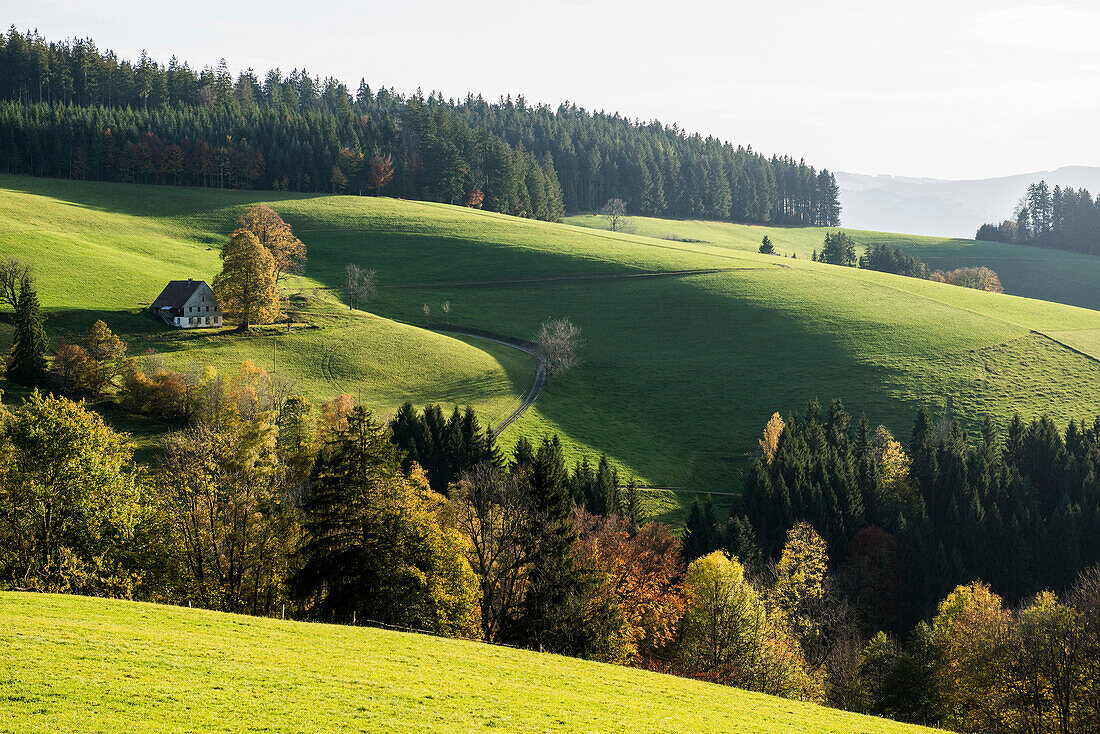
1050	275
95	665
688	347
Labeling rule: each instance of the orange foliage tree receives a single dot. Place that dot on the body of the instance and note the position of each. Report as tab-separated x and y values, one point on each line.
277	236
641	579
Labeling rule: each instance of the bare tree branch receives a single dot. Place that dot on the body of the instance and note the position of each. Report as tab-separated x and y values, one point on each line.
558	342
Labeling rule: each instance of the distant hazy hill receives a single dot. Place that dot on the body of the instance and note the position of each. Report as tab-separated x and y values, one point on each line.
938	207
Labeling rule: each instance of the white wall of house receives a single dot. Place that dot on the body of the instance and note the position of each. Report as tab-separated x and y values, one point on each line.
201	310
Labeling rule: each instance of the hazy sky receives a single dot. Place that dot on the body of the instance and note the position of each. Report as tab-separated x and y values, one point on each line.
960	89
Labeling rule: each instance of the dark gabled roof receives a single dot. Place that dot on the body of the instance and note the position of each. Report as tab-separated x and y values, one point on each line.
176	293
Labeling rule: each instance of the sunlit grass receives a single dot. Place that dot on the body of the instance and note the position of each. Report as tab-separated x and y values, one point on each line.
74	664
679	374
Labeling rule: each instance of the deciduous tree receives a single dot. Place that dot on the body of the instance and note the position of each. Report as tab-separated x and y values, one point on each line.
614	211
70	496
559	342
495	512
276	235
13	272
246	285
374	546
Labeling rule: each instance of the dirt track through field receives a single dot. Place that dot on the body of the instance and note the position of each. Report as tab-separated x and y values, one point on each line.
580	277
536	387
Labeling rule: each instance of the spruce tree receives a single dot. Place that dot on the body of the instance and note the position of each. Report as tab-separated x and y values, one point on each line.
700	531
633	510
523	454
548	621
27	365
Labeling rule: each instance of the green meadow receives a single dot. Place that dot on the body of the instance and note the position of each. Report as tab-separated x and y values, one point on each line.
680	371
1049	275
76	664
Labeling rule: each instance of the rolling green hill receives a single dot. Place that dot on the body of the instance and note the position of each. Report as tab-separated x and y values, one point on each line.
689	347
1049	275
92	665
108	252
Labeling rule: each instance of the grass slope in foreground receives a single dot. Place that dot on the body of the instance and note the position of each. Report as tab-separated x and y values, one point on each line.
93	665
1034	272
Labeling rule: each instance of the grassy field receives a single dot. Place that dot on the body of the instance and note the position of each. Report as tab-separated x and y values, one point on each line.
74	664
1049	275
680	371
106	251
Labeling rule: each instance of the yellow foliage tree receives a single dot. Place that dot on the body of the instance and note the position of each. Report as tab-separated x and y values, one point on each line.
967	630
800	577
277	236
729	636
107	355
769	442
894	465
246	285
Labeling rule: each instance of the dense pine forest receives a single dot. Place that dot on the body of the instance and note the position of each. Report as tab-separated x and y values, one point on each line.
1058	218
911	521
72	110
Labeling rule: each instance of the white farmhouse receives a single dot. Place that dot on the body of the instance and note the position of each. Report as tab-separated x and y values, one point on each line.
188	304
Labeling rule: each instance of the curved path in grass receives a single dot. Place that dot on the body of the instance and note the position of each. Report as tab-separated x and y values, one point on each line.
536	387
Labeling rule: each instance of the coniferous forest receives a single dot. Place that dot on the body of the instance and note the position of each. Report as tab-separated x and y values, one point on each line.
70	110
1057	218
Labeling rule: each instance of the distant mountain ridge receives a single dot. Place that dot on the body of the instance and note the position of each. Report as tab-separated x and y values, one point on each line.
942	207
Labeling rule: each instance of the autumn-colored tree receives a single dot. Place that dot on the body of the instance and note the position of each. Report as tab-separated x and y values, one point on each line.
69	369
980	278
149	388
381	172
898	493
799	583
769	442
334	417
724	619
968	631
106	355
641	578
70	496
374	546
220	486
277	236
494	512
729	636
246	285
1044	667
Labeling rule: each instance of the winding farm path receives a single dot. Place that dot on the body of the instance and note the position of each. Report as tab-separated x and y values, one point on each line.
536	387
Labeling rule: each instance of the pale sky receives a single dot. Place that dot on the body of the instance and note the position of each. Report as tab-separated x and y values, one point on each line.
945	89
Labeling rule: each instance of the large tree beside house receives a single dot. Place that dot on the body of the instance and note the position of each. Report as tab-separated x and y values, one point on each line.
277	236
246	285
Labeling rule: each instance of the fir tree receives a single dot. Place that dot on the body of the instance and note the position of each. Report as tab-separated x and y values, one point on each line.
27	364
